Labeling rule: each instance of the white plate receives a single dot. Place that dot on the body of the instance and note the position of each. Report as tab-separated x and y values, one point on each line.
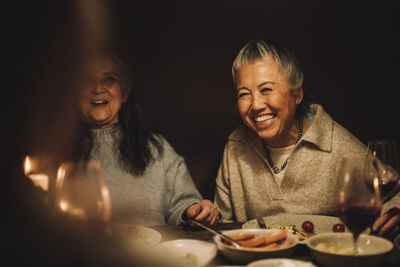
322	224
280	263
188	252
133	233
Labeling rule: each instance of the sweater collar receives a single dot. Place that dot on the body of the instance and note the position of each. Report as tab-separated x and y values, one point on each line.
106	133
320	131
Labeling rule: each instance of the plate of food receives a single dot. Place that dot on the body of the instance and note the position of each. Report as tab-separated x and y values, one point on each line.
134	234
302	226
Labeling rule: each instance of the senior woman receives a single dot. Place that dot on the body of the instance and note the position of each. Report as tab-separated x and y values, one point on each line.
148	181
285	157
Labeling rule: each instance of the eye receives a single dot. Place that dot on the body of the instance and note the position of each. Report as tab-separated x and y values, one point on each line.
241	95
109	80
266	90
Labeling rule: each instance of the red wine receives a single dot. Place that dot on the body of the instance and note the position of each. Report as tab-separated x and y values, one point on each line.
358	216
385	186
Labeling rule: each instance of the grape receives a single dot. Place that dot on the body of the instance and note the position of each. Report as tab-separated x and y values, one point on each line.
308	226
339	227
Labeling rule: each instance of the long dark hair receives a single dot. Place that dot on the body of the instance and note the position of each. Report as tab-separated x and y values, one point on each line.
134	139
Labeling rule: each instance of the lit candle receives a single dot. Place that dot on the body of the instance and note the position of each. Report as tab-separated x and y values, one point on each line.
38	179
41	180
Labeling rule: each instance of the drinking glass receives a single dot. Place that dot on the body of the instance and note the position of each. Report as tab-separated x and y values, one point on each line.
81	191
356	204
382	154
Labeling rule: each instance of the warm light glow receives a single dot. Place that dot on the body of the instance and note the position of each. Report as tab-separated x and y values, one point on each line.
27	165
38	179
63	205
41	180
76	212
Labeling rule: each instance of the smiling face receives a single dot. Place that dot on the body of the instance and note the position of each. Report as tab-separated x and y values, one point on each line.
102	95
266	104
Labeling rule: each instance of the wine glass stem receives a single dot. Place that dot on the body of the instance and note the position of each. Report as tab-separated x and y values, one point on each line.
355	250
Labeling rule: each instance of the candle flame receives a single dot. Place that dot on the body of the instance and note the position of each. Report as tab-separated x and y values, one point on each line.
27	165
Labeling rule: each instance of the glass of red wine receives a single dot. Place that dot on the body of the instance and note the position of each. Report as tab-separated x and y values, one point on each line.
383	164
355	203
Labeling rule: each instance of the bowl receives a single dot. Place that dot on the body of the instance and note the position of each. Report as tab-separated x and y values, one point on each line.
280	262
246	255
187	252
336	250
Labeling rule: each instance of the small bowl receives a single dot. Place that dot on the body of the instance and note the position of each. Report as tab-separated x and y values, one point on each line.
247	255
280	263
335	250
187	252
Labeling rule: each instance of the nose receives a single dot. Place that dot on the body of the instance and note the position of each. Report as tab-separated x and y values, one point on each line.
97	88
258	102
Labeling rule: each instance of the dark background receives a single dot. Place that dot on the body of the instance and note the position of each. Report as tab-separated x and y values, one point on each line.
182	52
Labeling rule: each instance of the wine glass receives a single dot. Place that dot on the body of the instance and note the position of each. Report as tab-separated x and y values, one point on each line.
385	166
356	204
81	192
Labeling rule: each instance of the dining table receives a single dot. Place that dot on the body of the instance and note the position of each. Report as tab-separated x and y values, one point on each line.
301	252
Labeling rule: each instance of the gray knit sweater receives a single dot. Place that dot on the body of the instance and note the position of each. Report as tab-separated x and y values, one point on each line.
158	197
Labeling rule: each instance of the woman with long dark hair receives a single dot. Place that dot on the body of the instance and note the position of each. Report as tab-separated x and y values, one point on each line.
148	181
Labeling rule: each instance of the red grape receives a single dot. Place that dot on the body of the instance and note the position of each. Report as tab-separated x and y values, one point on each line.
339	227
308	226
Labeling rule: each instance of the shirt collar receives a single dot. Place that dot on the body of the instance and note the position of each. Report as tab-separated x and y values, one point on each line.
319	133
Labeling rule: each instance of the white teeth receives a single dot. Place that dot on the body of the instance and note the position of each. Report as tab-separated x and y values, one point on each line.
98	102
264	118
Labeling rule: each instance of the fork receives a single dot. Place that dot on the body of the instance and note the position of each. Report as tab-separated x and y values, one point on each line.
216	232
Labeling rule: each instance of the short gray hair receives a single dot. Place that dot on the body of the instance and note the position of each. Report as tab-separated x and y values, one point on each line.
286	61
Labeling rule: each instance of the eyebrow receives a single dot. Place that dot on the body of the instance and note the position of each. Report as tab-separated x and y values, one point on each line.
260	85
111	72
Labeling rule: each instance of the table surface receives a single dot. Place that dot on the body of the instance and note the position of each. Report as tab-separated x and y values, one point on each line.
181	232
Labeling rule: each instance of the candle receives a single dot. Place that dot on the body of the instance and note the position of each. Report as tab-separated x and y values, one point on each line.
38	179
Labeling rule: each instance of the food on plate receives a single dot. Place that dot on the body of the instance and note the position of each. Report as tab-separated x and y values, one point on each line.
338	228
242	237
263	242
308	227
334	249
292	229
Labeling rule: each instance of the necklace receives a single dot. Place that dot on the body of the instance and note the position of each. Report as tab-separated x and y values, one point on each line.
268	153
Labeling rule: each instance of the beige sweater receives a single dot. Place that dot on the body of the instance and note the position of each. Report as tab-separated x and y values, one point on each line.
246	187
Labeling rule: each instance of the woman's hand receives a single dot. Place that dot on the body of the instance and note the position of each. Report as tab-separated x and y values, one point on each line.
204	212
388	224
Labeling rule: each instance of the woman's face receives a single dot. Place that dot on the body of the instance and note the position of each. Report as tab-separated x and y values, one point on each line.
266	104
102	94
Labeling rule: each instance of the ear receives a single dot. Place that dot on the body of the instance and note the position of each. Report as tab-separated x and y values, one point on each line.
299	96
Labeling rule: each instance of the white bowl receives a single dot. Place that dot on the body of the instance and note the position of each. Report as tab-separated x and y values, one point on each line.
280	263
372	250
246	255
187	252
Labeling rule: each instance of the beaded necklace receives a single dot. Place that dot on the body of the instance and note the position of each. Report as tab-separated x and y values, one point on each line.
268	153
